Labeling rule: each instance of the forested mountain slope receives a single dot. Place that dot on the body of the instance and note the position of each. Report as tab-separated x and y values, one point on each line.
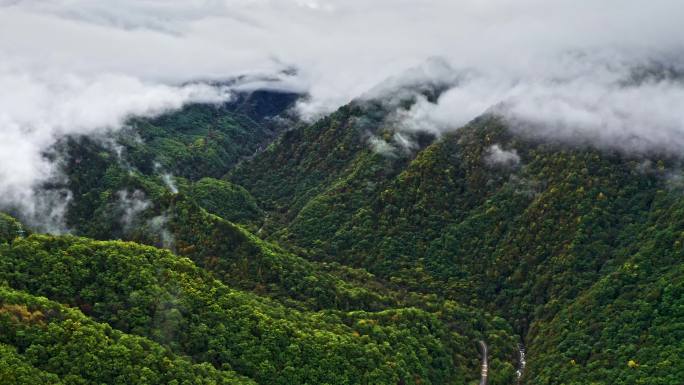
151	293
524	234
245	306
348	251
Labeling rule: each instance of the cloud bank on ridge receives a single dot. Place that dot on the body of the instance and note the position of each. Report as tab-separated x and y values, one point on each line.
563	69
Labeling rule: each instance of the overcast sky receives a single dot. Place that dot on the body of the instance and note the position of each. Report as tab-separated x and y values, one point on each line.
81	66
341	47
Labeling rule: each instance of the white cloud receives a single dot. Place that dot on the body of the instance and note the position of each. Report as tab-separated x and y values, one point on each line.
597	108
552	67
641	118
380	146
131	205
39	108
341	48
498	156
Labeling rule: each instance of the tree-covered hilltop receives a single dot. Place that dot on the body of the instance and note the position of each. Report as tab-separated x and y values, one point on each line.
45	342
10	228
129	289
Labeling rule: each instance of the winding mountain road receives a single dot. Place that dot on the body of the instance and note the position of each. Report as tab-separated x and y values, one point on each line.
485	364
522	362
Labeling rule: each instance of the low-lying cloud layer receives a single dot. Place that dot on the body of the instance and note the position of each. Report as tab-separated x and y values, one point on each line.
37	109
563	69
611	108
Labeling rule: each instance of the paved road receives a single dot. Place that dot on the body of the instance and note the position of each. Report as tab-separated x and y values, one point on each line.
485	364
